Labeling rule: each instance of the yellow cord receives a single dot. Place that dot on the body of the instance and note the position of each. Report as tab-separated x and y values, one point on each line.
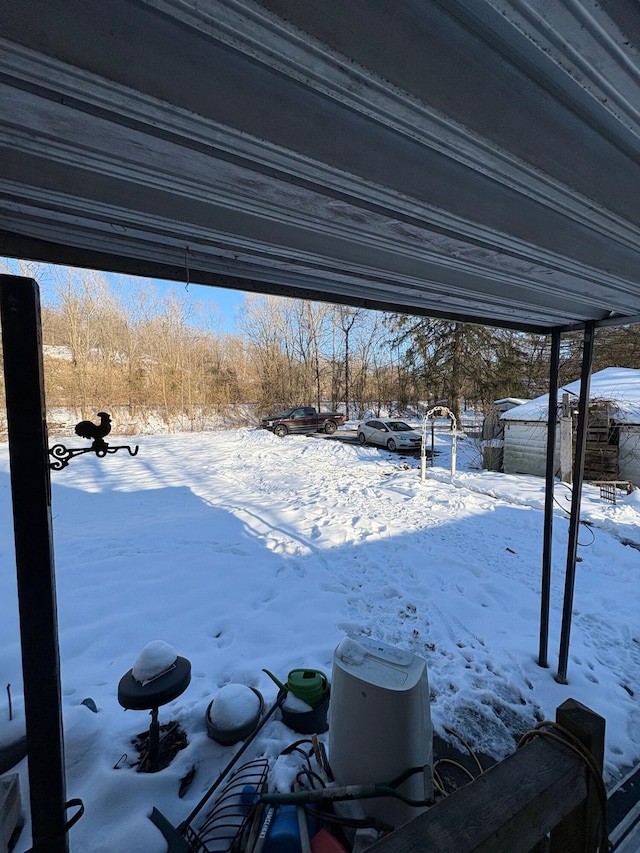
438	782
466	746
553	731
562	735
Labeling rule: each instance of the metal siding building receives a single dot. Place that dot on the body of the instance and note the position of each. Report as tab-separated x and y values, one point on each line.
525	447
629	451
525	426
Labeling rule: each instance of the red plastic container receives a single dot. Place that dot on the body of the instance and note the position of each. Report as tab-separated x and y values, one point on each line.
324	842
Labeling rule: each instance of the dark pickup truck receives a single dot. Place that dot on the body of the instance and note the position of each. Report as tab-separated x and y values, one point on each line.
303	419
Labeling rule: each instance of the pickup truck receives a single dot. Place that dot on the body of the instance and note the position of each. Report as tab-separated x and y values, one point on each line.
303	419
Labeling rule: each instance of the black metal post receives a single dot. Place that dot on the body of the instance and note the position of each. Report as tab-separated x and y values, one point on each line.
154	741
31	496
574	521
545	593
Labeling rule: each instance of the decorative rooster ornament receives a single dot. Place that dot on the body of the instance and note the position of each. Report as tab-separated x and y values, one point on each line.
97	432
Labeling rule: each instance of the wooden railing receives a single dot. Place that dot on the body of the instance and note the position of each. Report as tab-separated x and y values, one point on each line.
541	798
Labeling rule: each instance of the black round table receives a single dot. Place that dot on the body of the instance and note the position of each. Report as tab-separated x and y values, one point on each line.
135	696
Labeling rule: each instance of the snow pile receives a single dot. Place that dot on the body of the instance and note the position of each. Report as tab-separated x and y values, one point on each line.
156	658
234	706
295	704
619	386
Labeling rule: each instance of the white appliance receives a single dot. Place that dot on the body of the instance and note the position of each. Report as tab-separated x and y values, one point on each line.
380	723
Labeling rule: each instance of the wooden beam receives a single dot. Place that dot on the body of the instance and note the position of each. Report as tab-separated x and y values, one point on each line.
509	809
578	832
31	496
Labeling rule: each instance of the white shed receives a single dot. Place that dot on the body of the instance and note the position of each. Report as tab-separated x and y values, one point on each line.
613	433
493	432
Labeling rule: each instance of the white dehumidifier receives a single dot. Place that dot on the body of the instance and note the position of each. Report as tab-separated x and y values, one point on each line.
380	724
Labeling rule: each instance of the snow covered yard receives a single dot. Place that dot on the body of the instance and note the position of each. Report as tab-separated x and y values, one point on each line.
245	551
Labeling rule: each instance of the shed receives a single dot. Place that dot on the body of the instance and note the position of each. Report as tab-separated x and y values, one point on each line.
493	432
613	428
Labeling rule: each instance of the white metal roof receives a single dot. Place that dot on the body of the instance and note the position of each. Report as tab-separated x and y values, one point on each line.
474	159
511	401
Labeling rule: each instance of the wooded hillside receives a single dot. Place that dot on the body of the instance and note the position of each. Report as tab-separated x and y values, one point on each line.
112	343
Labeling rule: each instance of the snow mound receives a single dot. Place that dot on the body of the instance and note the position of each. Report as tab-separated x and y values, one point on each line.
293	703
156	658
235	705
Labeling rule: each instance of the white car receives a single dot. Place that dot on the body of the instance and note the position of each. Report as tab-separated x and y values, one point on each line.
389	433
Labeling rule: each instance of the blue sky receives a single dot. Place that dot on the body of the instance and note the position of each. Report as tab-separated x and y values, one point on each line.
227	302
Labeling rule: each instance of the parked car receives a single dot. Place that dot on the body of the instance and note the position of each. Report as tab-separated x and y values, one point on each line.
389	433
303	419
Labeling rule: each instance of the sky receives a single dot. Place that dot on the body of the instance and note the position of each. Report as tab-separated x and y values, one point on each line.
243	552
227	302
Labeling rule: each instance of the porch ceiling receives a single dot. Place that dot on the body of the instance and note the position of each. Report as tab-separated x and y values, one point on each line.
474	159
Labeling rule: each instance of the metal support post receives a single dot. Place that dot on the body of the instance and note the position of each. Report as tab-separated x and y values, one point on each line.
574	521
31	496
545	593
154	741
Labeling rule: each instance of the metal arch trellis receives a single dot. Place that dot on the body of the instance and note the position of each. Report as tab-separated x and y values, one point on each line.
443	411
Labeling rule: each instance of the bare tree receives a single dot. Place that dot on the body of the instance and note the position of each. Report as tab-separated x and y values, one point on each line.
263	324
346	317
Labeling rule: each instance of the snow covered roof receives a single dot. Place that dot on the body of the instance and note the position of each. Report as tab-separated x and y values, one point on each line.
618	385
507	403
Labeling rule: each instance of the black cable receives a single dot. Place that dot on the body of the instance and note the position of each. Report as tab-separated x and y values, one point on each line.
311	775
581	521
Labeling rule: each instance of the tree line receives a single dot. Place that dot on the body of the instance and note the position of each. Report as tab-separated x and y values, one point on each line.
109	343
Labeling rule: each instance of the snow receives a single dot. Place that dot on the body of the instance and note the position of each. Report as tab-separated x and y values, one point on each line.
234	706
154	660
515	401
619	385
293	703
350	652
243	551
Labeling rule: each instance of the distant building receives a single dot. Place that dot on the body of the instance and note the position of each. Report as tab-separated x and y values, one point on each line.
613	429
493	433
60	352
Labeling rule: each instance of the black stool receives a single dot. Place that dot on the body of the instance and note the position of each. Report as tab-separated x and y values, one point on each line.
135	696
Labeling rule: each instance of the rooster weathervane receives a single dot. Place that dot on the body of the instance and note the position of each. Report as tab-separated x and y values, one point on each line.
96	433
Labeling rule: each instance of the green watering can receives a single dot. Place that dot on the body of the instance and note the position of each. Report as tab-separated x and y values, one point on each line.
308	685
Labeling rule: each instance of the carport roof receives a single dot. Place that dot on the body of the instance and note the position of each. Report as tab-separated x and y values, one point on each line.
472	159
